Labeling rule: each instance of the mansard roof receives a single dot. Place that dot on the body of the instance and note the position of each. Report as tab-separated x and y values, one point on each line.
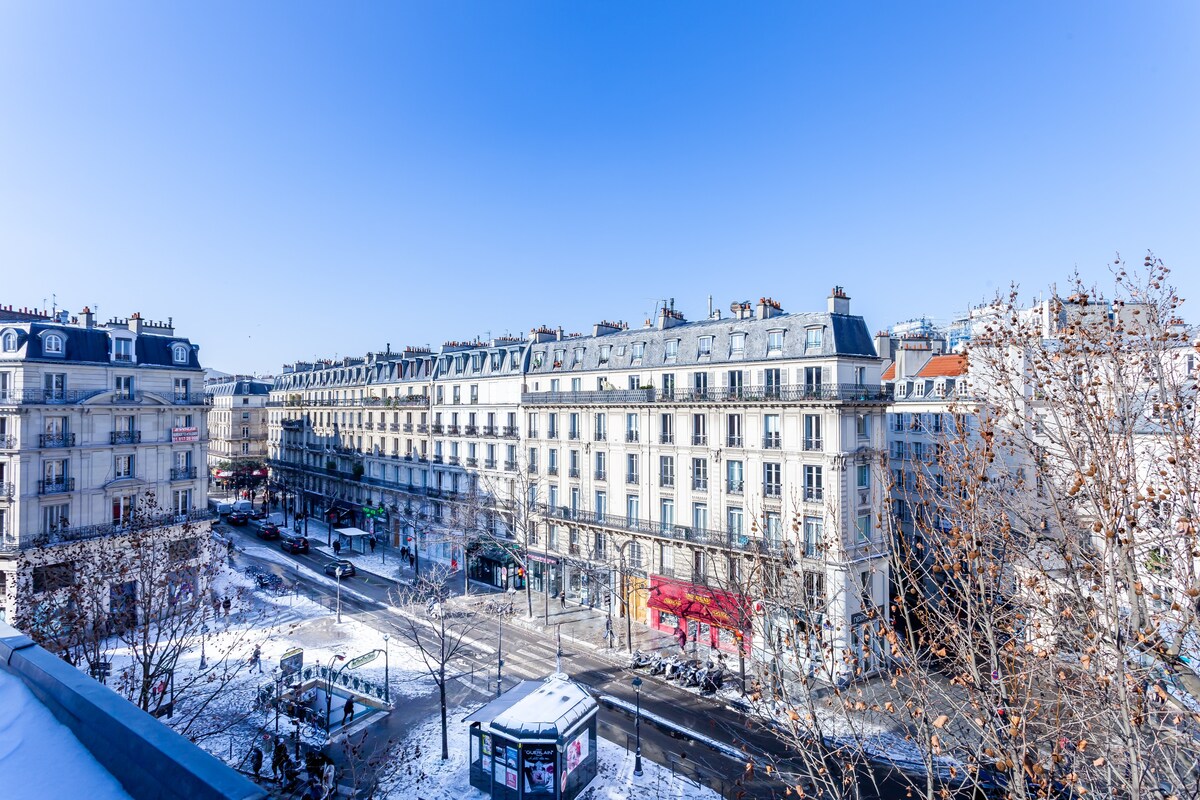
94	346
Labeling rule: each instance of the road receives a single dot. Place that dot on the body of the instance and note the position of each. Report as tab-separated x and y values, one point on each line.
529	654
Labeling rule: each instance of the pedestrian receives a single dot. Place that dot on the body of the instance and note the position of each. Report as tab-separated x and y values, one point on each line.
278	757
348	711
227	604
337	547
562	599
328	779
372	541
256	659
256	759
412	560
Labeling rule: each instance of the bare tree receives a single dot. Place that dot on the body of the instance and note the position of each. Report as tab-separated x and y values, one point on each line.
438	633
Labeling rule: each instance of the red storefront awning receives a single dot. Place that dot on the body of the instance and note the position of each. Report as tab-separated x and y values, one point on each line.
692	601
222	474
259	473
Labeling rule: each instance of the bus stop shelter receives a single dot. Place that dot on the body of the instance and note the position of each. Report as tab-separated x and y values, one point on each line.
354	540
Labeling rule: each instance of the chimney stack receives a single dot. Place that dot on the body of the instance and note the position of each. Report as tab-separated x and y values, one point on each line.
135	322
86	318
839	301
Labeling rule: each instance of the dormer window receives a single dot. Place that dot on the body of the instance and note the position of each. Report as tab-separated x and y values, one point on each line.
737	344
53	344
559	354
812	338
672	349
10	341
639	351
497	358
538	359
605	349
706	345
577	356
122	350
179	353
775	343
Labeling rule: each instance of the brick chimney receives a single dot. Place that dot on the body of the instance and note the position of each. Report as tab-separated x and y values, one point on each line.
839	301
86	318
135	322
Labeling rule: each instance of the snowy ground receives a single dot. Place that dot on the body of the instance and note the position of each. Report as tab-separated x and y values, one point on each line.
424	776
228	725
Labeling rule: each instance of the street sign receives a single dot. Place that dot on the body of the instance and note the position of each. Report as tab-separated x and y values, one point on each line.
365	658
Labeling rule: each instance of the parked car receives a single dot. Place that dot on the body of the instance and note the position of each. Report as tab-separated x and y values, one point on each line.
293	544
238	518
347	568
259	513
268	530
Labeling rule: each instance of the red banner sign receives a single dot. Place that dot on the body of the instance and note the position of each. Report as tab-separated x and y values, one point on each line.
691	601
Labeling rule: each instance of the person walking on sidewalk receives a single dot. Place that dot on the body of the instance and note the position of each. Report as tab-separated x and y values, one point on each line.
348	711
256	760
562	599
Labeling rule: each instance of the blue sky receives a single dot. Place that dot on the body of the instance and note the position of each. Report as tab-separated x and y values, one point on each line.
290	180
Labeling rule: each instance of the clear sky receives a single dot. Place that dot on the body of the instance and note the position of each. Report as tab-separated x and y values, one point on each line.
290	180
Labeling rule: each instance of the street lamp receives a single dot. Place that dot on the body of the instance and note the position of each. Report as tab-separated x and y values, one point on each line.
278	675
386	679
329	677
637	727
338	572
203	634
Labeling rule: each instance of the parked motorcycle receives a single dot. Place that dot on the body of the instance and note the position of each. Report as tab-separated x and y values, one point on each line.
640	659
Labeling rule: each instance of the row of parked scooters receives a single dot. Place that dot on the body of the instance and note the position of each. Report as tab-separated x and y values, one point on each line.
708	677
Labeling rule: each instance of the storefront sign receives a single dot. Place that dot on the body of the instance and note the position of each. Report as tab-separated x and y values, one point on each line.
365	658
689	601
542	559
185	434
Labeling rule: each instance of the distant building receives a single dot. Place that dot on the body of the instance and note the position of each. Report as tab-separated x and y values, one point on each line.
93	418
237	419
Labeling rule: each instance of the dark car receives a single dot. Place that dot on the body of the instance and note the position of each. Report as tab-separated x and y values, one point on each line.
259	514
294	544
238	518
347	568
269	580
268	530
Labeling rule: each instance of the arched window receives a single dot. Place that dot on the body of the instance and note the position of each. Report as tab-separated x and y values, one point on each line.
10	341
53	344
180	353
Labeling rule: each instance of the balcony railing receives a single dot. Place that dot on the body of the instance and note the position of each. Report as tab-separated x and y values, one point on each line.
472	461
631	436
600	436
552	433
772	490
370	426
471	430
8	442
813	494
393	427
87	532
48	396
772	441
573	472
699	439
601	475
452	430
704	536
700	483
552	470
666	438
56	440
183	473
812	444
531	469
631	478
437	427
6	490
124	437
733	441
489	463
422	427
735	487
190	399
511	466
408	427
666	481
827	392
56	486
573	435
510	432
489	430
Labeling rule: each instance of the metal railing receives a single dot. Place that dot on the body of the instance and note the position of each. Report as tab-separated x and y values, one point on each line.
56	486
6	490
735	487
826	392
48	396
8	442
772	441
190	399
510	432
666	438
86	532
601	475
183	473
699	439
56	440
631	436
125	437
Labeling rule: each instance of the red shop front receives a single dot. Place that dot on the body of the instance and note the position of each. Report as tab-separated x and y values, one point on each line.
710	617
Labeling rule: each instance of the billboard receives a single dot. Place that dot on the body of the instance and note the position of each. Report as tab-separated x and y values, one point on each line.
189	434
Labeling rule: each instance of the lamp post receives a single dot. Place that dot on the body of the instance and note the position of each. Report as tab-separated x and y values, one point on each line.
203	635
277	673
329	676
499	655
386	680
338	572
637	727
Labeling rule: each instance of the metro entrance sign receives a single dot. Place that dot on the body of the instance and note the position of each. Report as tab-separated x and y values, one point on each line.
365	658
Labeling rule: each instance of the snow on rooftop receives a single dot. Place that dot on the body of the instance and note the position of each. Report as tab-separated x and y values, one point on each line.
40	758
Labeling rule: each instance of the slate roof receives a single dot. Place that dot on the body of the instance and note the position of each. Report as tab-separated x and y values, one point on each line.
842	335
93	346
241	388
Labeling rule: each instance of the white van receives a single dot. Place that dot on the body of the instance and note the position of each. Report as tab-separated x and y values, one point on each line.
243	505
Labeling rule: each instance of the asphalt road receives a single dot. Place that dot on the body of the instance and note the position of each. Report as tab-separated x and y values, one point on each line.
530	654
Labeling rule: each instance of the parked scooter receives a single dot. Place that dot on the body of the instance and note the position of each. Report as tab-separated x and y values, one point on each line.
640	659
712	681
658	665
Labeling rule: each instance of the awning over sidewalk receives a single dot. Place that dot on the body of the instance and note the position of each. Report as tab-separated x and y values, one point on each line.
693	601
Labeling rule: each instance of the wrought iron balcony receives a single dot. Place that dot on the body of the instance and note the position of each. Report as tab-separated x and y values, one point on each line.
772	441
735	487
422	427
370	426
699	439
183	473
8	442
408	427
48	396
666	481
600	436
700	483
510	432
86	532
632	478
125	437
733	440
552	470
772	490
6	490
56	440
489	463
437	427
812	443
601	475
511	466
631	436
814	494
666	438
471	430
190	399
490	430
393	427
472	461
573	472
56	485
452	430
